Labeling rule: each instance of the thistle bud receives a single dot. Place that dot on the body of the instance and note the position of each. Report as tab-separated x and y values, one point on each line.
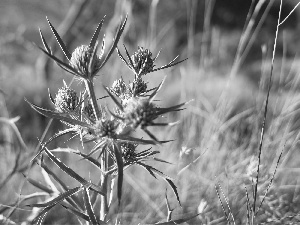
119	88
106	128
89	111
81	59
138	86
139	112
142	61
66	100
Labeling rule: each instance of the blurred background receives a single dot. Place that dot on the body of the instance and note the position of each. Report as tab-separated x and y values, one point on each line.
229	46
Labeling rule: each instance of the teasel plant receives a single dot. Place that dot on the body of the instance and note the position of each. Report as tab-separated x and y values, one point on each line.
108	129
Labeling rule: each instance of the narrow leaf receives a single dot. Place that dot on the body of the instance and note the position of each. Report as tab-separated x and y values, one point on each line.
61	133
44	42
139	140
174	188
51	98
96	34
148	168
89	208
39	185
56	115
114	99
118	155
161	111
76	212
73	174
73	199
122	58
58	199
169	65
60	41
63	65
151	136
151	97
128	56
116	40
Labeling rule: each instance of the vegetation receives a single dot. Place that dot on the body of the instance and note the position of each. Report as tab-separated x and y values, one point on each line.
123	145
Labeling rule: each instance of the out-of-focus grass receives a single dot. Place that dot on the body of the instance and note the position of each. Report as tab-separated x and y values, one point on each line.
224	143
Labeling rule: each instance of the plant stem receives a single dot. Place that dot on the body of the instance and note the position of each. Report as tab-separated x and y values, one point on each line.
90	88
104	158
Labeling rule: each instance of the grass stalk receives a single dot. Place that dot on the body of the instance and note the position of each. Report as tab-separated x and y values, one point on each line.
265	115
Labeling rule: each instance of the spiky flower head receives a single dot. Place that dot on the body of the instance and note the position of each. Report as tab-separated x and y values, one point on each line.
138	86
139	112
142	61
105	128
85	61
66	99
119	88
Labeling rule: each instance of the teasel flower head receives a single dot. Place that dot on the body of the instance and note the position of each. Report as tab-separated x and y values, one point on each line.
66	100
85	61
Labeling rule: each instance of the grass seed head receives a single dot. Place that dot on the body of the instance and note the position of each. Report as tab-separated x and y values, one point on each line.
81	59
66	100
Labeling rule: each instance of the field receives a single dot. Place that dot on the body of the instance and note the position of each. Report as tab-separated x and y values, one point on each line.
228	109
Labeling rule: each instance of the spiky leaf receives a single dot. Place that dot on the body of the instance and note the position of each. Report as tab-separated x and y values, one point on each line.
89	208
60	41
96	34
59	116
73	174
115	43
58	199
